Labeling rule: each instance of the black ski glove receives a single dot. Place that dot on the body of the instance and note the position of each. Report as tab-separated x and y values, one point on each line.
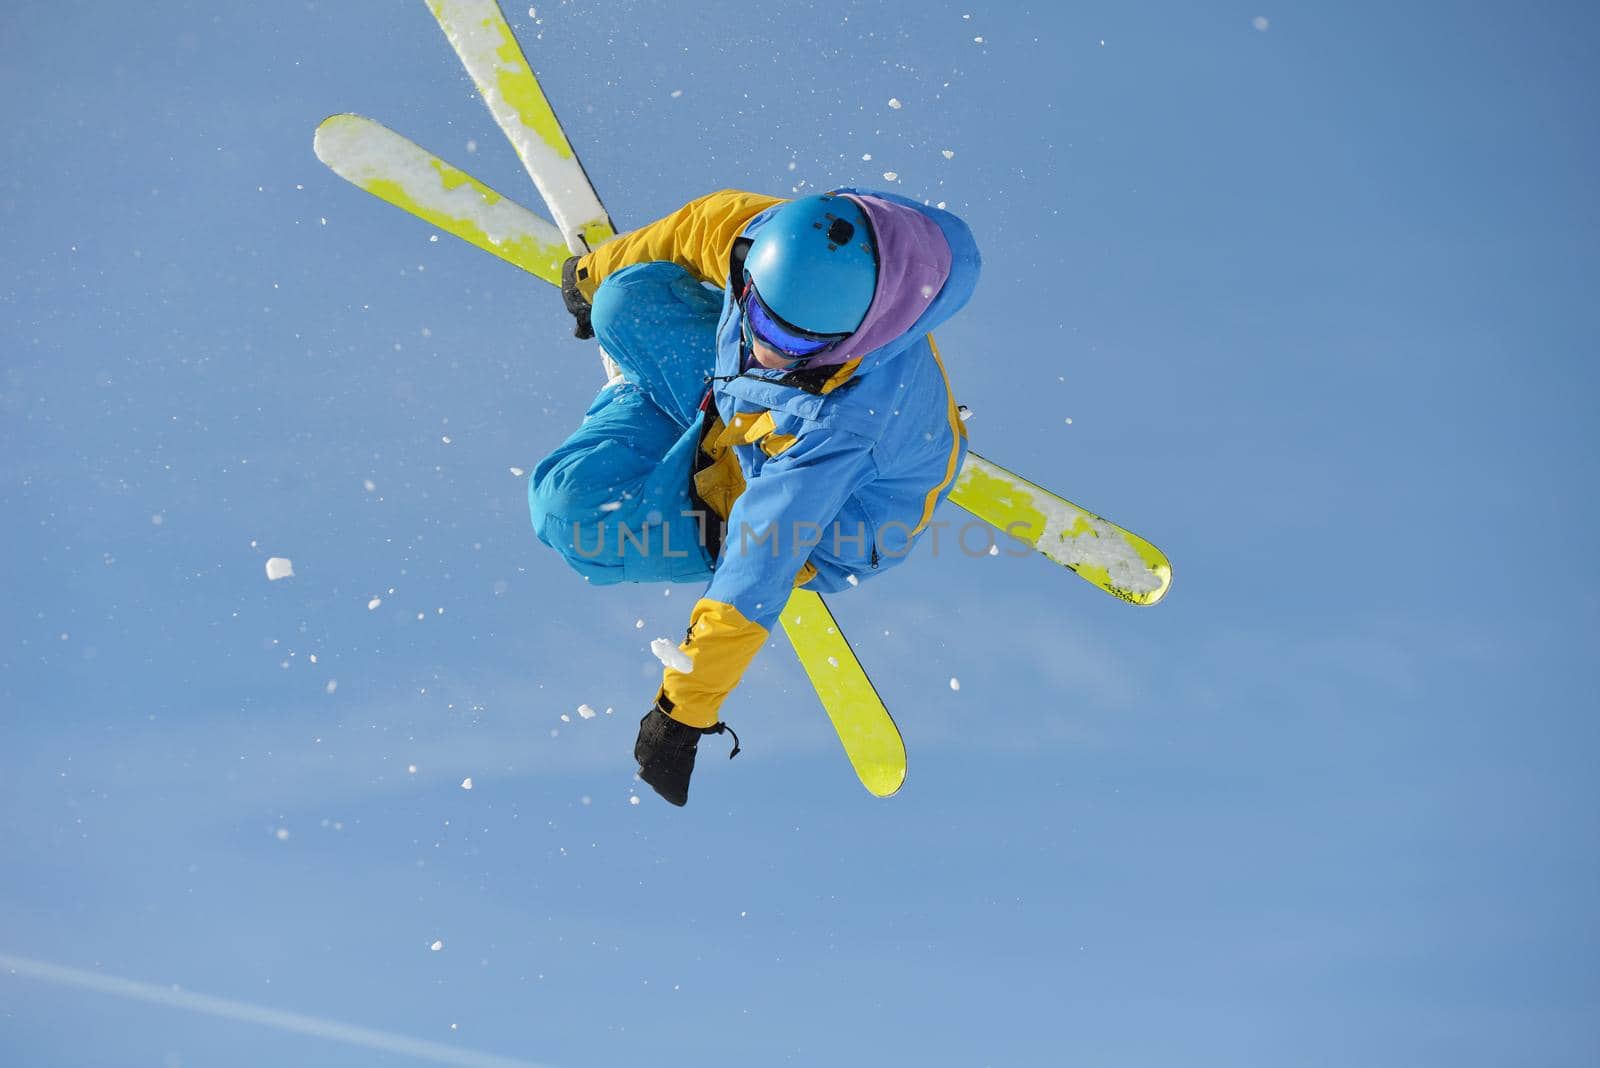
666	750
574	299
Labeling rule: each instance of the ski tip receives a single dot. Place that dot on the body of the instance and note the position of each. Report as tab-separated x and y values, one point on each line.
1145	599
882	778
330	129
889	790
884	787
340	119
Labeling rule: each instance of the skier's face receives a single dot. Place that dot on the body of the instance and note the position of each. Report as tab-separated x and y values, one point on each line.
775	344
769	357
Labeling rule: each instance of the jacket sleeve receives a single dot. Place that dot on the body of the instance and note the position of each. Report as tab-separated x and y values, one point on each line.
697	237
787	510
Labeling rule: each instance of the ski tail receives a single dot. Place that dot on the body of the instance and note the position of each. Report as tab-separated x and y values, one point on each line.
871	739
481	37
1116	560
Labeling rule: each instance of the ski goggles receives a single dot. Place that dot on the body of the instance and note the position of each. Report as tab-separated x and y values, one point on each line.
764	324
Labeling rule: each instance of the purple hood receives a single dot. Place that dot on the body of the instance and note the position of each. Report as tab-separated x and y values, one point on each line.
913	263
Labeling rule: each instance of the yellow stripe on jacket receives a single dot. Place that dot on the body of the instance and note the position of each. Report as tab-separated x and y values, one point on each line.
958	431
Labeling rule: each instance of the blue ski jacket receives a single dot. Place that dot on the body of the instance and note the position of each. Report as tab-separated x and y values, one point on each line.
825	477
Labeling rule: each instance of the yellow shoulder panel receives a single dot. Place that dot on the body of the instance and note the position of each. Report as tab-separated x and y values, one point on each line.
697	237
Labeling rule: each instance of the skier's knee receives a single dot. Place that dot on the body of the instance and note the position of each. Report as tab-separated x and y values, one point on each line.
605	310
584	484
616	306
554	490
627	297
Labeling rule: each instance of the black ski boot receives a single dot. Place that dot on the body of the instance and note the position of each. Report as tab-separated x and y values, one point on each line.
666	750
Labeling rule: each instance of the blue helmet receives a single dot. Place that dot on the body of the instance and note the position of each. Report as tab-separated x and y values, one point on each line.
814	264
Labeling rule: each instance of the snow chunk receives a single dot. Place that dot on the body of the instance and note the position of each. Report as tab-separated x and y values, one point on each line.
333	685
466	784
891	176
895	103
955	683
585	712
948	153
1260	22
373	604
519	472
438	944
667	651
279	567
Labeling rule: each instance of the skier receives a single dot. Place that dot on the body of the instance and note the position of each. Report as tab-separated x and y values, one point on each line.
795	429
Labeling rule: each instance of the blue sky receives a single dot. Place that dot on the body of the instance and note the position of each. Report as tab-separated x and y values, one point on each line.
1317	299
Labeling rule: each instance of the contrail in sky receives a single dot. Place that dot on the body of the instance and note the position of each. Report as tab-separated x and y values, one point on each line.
238	1010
